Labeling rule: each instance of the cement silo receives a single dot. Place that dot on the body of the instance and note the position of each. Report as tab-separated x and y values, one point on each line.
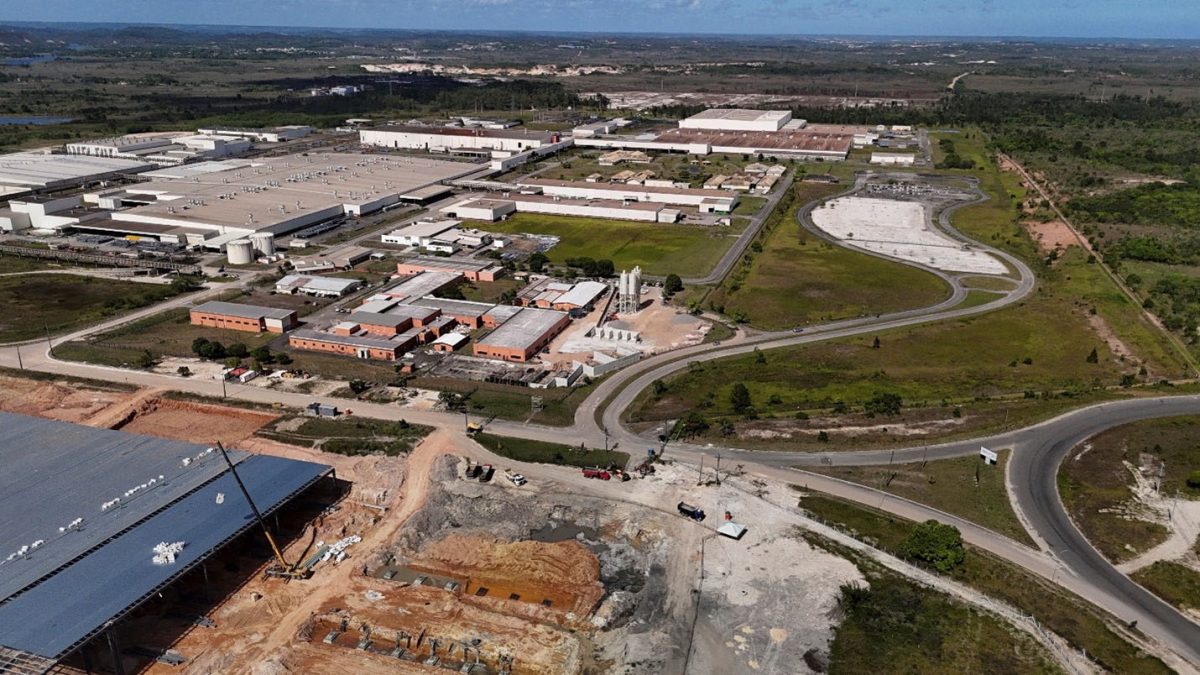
629	291
263	243
240	252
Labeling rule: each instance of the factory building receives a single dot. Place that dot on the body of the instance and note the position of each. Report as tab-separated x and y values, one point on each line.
350	343
419	285
487	208
210	204
893	158
457	139
269	135
737	119
524	335
163	150
636	193
25	172
248	318
317	287
564	297
473	270
419	233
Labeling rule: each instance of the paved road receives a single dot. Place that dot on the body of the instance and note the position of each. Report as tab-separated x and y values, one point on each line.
735	251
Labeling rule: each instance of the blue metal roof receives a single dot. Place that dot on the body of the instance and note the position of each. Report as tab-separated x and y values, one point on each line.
58	614
54	472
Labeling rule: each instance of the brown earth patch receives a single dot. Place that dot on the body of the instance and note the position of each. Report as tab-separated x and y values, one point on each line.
1050	236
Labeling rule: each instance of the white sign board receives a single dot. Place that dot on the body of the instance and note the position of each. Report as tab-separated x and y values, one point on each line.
988	456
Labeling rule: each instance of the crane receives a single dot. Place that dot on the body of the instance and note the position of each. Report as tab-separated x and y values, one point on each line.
282	568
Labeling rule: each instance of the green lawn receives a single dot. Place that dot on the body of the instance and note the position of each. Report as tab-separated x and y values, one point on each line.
748	206
523	450
1095	483
963	486
37	304
486	291
686	250
11	264
1175	583
798	278
1067	615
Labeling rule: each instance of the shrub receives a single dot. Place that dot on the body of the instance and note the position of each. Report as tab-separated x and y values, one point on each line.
934	544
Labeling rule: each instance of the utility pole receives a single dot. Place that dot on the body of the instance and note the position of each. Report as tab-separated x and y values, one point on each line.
49	344
718	468
20	363
700	477
605	428
224	394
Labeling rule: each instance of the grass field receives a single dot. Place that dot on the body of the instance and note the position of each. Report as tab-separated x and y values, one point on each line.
686	250
486	399
351	436
489	291
1096	485
963	486
1175	583
797	278
1014	352
748	206
1081	624
37	304
897	626
523	450
12	264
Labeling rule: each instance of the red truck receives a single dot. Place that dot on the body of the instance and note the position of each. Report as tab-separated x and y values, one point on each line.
596	473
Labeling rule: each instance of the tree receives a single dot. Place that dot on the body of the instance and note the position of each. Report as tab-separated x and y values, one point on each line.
875	344
238	350
198	345
262	354
359	386
537	262
759	357
208	349
935	544
739	398
184	371
692	424
1093	357
673	284
450	400
1193	480
146	359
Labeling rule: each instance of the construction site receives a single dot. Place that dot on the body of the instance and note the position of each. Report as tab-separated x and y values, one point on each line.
412	563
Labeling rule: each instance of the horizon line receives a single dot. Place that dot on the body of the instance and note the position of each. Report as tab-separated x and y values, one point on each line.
798	36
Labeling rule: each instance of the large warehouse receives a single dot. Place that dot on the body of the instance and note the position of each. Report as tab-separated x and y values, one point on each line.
521	337
451	139
737	119
23	172
83	511
213	203
723	200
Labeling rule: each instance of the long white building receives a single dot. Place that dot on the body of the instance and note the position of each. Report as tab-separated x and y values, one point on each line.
162	150
450	139
705	200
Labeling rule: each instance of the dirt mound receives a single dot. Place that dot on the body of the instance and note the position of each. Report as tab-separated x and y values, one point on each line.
196	422
54	400
563	575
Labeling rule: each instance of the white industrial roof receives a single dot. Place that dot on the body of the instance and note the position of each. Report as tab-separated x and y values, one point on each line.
452	339
38	170
732	530
426	228
523	329
740	114
582	293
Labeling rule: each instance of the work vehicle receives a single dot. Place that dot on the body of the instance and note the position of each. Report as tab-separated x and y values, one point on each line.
515	478
486	473
689	511
597	473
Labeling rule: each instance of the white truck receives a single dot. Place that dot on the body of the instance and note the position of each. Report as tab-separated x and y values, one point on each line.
515	478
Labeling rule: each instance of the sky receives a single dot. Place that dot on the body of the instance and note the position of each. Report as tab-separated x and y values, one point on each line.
1173	19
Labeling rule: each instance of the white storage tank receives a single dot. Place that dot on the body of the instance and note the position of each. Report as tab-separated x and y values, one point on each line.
240	252
263	243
